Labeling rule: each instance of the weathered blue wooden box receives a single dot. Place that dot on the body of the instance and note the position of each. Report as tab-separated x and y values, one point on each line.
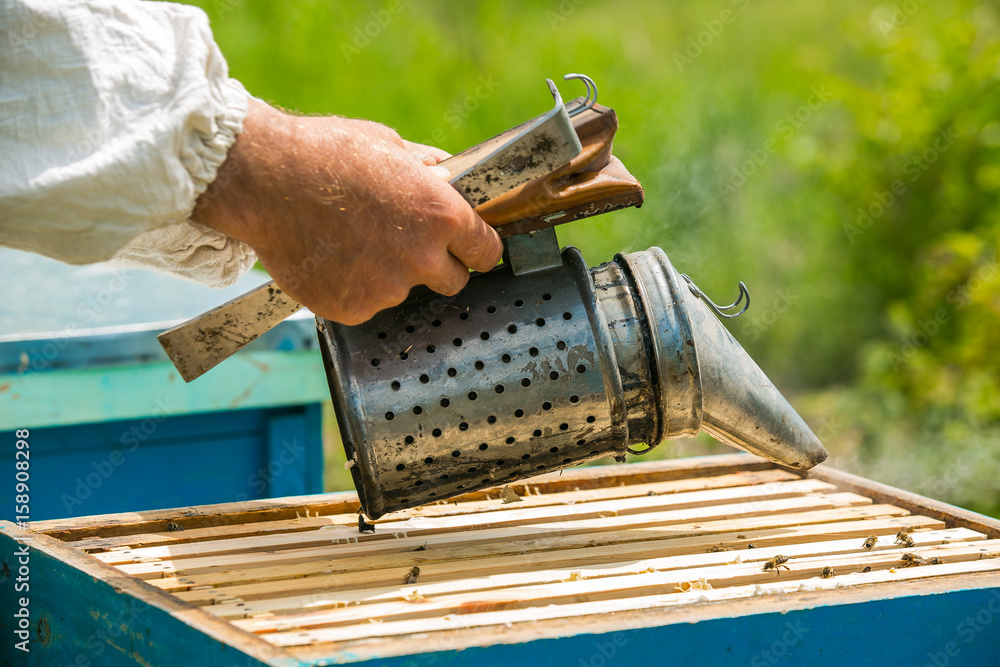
114	428
643	564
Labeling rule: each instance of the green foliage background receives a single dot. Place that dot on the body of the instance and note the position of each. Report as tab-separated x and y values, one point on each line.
841	157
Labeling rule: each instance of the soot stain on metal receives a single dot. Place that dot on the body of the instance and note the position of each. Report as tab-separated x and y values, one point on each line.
543	145
517	164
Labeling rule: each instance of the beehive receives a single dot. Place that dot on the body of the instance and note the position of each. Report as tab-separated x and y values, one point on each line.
613	563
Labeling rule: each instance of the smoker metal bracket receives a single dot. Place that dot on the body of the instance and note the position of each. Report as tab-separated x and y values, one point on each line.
532	251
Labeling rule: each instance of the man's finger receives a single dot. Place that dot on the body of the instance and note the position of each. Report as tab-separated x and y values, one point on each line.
479	247
429	155
450	277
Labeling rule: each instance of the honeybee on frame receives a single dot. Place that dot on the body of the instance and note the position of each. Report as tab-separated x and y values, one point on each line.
776	564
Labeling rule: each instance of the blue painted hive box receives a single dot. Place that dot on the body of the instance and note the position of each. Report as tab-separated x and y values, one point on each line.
709	561
112	425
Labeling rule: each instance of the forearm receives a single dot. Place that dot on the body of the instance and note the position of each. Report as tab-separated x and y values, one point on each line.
344	214
189	176
232	203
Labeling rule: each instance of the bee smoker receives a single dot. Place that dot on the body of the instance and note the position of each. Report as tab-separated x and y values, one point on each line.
542	364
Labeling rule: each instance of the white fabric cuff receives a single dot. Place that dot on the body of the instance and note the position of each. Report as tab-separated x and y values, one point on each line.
116	116
189	250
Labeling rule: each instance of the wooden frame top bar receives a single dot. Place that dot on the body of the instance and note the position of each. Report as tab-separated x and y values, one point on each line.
657	546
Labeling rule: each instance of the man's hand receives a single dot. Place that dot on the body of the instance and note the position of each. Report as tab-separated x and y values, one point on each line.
344	214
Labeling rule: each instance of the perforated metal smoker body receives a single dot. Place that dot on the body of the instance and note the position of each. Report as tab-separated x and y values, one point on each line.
519	375
511	378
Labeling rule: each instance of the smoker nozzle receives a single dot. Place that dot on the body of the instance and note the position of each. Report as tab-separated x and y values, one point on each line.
700	377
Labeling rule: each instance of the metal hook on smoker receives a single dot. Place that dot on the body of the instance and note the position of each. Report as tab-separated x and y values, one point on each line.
717	309
591	98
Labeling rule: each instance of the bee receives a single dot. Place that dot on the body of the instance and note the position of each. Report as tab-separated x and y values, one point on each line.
422	547
870	542
174	527
935	560
902	537
364	526
776	564
719	547
828	572
868	568
508	495
909	560
413	575
751	546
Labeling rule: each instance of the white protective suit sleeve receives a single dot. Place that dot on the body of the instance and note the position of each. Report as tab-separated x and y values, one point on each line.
115	115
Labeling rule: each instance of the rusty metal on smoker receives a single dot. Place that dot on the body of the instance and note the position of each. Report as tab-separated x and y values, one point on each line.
520	155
